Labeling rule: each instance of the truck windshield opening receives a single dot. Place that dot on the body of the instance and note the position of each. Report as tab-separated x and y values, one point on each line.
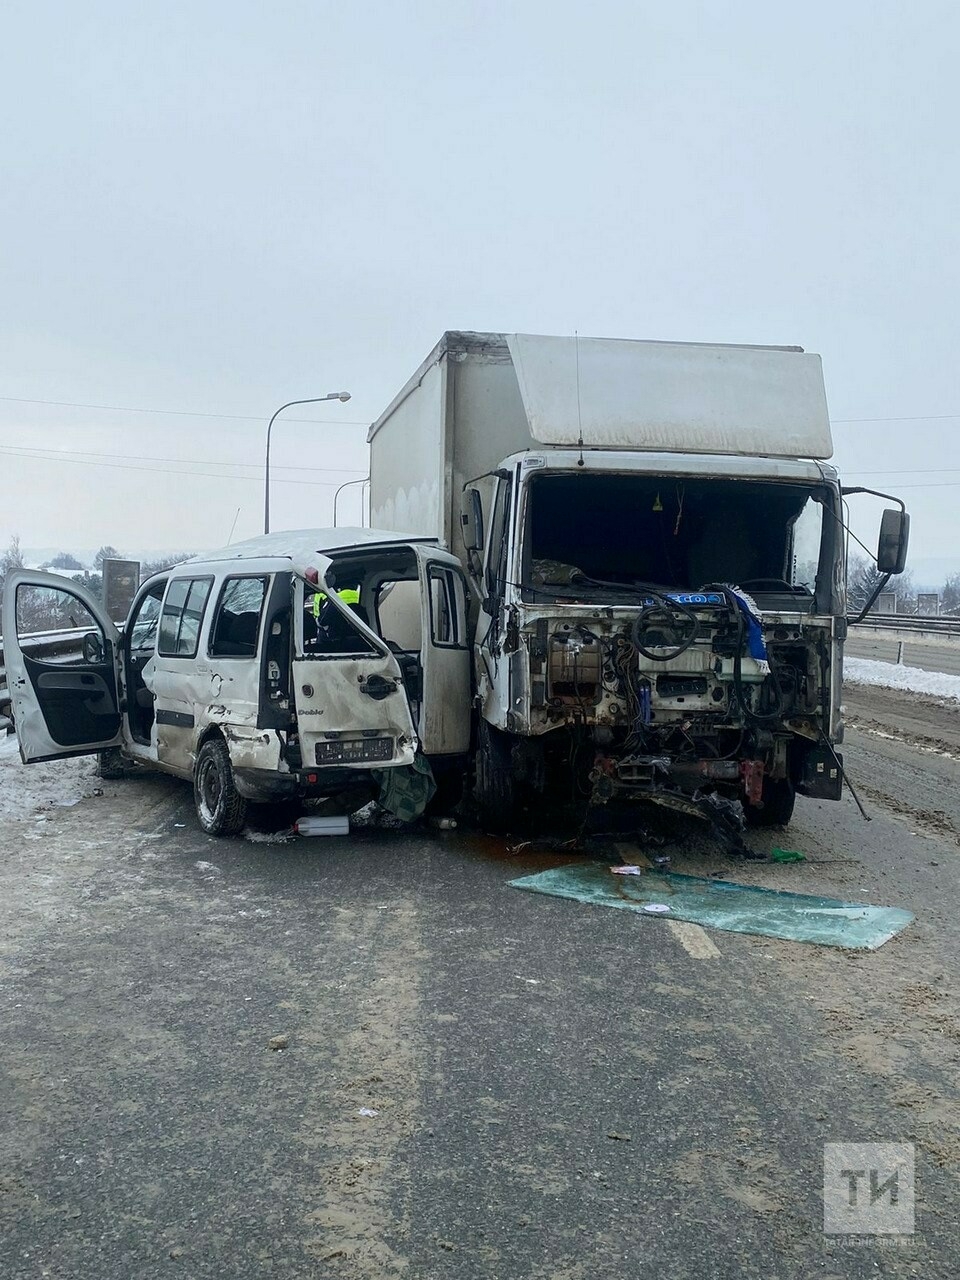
672	532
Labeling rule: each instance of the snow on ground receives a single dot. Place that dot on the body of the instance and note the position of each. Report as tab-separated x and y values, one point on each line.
935	684
27	788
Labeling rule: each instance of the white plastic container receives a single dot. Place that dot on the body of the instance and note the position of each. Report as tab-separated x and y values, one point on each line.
318	826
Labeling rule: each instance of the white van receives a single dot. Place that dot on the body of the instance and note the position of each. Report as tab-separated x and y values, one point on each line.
246	672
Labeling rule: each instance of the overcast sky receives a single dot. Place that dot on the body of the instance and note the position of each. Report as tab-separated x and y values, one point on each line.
216	207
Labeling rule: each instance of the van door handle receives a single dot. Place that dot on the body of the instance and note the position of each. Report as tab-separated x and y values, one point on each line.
378	687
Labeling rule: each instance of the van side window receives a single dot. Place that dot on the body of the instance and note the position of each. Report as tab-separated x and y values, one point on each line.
236	623
445	606
181	617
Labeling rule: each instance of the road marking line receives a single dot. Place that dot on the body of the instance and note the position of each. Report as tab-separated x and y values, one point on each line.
694	940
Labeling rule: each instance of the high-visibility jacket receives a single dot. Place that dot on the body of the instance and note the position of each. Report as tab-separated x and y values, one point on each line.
349	595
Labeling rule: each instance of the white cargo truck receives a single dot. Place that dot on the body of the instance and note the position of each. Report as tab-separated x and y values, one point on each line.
656	545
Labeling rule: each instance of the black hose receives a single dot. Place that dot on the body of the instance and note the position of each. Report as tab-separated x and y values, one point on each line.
755	717
663	605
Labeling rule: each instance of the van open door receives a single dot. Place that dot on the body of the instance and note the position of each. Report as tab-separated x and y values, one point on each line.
60	652
352	706
445	655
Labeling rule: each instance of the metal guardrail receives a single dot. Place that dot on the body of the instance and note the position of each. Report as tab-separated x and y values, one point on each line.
945	626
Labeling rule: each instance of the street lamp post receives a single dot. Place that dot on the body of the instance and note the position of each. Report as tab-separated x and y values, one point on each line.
333	395
346	485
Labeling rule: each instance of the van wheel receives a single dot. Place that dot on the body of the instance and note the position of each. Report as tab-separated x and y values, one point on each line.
494	786
779	797
111	764
221	810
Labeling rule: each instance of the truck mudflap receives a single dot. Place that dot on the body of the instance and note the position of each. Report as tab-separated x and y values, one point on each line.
822	774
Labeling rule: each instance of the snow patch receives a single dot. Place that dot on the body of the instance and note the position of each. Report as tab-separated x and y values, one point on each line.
888	675
26	788
268	837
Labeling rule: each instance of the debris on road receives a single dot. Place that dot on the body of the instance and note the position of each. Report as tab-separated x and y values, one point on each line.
368	1112
787	855
721	904
317	825
279	1042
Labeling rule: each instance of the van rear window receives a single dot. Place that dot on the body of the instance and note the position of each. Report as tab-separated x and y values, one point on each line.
182	616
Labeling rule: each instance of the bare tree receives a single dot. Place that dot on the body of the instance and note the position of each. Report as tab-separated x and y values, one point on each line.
105	553
150	567
63	560
11	560
863	577
950	595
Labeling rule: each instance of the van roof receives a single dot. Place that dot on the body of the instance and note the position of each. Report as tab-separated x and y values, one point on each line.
299	545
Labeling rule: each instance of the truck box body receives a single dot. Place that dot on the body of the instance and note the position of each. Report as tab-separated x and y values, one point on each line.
480	397
634	517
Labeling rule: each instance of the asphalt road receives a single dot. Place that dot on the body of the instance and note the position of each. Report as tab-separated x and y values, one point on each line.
561	1091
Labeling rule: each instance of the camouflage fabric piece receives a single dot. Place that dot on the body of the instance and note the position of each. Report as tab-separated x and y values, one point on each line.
406	791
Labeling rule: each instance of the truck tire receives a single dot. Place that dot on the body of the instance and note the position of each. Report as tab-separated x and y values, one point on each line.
449	793
221	810
494	787
778	801
111	764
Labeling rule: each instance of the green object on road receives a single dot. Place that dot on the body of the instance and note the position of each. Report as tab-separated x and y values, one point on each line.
719	904
787	855
406	790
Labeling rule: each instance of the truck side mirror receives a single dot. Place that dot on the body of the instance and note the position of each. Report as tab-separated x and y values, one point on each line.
894	538
471	520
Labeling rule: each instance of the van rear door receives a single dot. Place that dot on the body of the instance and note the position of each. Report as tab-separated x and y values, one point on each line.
60	653
352	708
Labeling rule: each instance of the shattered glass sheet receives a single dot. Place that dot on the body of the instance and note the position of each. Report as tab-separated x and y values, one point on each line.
719	904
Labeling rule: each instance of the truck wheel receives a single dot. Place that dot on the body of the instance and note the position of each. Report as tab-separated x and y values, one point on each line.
494	787
111	764
221	810
448	795
778	801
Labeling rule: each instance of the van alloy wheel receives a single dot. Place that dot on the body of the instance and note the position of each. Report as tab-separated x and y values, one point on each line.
221	810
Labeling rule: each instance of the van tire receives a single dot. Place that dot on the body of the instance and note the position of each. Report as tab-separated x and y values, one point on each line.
779	797
494	787
221	810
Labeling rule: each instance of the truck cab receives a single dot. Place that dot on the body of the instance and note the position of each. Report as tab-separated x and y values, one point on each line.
664	624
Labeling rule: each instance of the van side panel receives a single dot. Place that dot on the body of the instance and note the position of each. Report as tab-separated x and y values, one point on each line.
194	693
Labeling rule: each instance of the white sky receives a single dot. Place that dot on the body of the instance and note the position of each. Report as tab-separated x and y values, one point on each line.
218	207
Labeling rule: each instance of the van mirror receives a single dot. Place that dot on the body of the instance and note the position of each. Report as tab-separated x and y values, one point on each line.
471	520
894	539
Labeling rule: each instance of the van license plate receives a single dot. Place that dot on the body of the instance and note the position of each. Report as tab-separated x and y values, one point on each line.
355	751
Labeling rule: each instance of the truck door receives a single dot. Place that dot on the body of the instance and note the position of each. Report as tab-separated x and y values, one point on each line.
60	651
351	704
445	655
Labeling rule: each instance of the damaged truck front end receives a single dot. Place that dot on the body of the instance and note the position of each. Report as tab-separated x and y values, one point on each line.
671	633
